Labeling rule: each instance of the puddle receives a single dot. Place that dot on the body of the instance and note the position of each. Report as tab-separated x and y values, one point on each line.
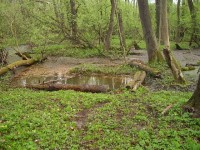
192	74
112	82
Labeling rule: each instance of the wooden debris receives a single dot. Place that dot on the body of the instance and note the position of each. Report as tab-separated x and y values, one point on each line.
174	66
140	64
167	109
24	55
138	79
178	47
17	64
82	88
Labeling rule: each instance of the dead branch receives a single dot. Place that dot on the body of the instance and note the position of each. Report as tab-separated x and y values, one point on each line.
82	88
138	79
167	109
140	64
174	66
17	64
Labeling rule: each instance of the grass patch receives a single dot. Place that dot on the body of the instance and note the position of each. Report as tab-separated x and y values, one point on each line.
103	69
65	50
45	120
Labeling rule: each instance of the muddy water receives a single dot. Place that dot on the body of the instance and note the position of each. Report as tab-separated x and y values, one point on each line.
192	75
112	82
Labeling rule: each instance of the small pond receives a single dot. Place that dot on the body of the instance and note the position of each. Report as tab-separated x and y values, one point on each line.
112	82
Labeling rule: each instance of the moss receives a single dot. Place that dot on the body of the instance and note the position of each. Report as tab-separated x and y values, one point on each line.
188	68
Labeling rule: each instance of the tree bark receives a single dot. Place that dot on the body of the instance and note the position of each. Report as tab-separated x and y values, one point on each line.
138	79
73	18
194	37
121	29
111	24
174	66
82	88
164	30
194	101
177	38
157	18
143	66
149	35
121	32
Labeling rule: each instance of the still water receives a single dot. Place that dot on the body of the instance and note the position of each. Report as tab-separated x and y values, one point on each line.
112	82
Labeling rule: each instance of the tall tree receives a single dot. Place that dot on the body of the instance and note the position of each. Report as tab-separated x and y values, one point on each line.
74	29
121	29
149	35
177	39
111	24
194	37
157	17
164	30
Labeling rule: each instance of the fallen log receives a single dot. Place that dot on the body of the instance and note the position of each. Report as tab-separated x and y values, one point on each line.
140	64
174	66
138	79
17	64
82	88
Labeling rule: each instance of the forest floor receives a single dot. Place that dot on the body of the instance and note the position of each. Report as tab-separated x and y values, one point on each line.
119	119
62	66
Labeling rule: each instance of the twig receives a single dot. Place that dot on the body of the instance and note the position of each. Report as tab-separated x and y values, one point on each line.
167	109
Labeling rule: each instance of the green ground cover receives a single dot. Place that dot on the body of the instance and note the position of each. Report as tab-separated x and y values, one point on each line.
116	120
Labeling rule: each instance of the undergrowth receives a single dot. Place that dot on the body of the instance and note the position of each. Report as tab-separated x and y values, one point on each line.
46	120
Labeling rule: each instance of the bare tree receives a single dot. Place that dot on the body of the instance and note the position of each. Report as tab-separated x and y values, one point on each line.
194	37
157	17
111	24
149	35
73	18
164	30
178	22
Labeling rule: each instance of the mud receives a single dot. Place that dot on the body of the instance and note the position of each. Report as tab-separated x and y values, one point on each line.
61	66
82	116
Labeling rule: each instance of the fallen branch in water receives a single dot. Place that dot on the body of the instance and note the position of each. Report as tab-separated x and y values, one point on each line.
82	88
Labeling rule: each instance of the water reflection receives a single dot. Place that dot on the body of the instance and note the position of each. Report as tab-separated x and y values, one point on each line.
113	82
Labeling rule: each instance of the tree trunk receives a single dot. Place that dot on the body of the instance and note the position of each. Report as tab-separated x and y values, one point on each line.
174	66
111	24
121	32
157	18
177	38
149	35
194	37
82	88
121	29
73	19
164	30
194	101
17	64
138	79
